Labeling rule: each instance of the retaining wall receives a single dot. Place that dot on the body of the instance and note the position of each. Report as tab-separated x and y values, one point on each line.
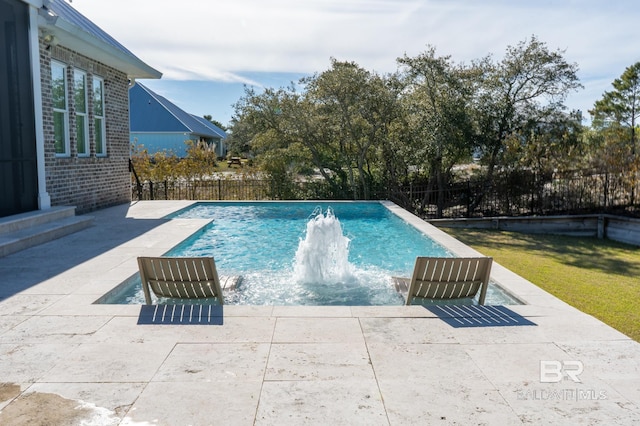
617	228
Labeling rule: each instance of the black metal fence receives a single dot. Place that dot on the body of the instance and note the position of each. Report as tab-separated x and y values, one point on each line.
512	194
233	189
525	194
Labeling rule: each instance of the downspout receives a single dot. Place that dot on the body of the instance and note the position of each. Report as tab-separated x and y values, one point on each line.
44	200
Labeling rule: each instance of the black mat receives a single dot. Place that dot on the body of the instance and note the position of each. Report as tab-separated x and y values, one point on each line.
180	314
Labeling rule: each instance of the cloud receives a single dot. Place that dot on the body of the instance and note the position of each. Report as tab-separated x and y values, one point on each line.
225	41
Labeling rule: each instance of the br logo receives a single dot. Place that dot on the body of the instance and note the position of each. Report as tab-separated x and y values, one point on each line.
555	371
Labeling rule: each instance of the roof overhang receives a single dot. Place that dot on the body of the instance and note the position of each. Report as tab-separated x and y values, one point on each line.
72	37
34	3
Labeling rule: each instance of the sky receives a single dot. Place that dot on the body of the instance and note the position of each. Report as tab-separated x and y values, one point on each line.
209	50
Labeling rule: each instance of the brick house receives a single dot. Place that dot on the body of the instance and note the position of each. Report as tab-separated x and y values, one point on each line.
64	109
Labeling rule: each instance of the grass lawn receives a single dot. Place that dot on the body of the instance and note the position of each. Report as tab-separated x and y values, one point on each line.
599	277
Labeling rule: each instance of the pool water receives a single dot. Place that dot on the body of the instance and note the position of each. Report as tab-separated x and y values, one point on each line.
259	242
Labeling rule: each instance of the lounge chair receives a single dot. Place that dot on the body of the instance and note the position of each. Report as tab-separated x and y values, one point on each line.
449	278
179	278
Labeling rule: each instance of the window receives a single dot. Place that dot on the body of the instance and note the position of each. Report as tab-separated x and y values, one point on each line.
98	116
80	103
60	110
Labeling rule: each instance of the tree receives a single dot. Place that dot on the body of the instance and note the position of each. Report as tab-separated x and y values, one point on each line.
524	90
341	126
621	106
547	147
346	97
440	126
265	125
615	116
215	122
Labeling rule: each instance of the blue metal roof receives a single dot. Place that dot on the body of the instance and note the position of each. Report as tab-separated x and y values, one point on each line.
212	126
150	112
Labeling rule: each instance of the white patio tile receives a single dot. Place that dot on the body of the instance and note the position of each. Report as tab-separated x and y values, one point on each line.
312	311
220	362
196	403
232	330
248	311
328	330
504	334
83	305
569	403
407	330
335	402
110	362
444	403
509	363
9	322
23	304
54	329
27	363
612	360
426	364
403	311
567	328
319	361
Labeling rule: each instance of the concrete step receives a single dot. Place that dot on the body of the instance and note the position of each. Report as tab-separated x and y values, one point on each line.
26	230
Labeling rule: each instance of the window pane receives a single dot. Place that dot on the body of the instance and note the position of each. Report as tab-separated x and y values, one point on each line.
81	135
58	86
98	116
97	97
58	125
99	139
80	91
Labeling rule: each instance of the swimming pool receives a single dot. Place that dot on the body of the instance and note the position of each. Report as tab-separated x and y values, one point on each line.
304	253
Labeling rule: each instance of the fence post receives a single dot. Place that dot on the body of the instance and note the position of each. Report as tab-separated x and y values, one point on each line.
606	189
533	193
601	227
219	189
150	190
135	175
468	198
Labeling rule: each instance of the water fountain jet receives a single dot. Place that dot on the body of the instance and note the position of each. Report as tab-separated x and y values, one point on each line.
323	255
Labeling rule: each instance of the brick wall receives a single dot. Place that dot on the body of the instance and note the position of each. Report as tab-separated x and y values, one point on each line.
92	182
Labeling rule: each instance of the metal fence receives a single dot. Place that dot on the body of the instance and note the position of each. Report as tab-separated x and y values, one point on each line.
525	194
513	194
232	189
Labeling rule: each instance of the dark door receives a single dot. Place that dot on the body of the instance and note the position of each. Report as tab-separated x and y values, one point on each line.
18	169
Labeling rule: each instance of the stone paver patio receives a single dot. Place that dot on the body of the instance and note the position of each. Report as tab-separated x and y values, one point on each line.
65	360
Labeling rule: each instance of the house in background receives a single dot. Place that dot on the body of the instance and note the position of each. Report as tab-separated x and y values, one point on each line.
64	109
159	125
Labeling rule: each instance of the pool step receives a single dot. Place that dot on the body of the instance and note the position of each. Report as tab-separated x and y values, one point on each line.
230	282
402	285
21	231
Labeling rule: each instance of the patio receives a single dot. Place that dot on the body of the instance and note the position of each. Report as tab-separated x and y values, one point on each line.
67	360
